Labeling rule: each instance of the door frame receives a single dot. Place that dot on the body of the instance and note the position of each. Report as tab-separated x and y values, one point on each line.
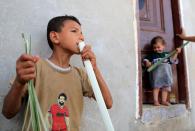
183	92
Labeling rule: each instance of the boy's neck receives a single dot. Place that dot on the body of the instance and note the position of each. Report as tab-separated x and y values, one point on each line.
60	59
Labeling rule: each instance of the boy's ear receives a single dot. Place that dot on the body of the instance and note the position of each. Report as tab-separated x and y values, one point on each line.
54	37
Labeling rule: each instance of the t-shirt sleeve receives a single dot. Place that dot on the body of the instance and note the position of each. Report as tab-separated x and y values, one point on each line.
172	61
148	57
86	85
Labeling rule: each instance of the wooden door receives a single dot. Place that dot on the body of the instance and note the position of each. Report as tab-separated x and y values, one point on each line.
156	19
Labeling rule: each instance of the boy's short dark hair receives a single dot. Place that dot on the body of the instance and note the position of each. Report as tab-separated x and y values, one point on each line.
56	23
157	39
64	95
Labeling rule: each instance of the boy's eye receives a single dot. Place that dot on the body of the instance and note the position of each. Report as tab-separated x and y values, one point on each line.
73	30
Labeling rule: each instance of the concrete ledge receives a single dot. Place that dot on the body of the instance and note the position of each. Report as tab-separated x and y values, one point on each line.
156	114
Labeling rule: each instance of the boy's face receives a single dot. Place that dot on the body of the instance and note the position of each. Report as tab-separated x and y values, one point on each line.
70	36
158	47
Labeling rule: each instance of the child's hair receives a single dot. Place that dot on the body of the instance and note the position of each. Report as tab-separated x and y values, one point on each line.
56	23
157	39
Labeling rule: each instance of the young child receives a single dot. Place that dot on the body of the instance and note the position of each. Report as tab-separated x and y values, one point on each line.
184	37
161	77
55	75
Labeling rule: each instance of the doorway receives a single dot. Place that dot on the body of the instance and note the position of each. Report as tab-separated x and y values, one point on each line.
161	17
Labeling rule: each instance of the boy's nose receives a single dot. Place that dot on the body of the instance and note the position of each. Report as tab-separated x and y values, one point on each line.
82	37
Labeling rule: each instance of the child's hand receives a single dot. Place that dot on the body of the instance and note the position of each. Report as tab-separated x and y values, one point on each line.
87	53
178	50
25	68
147	63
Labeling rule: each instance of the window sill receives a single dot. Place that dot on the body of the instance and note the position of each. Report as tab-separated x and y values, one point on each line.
156	114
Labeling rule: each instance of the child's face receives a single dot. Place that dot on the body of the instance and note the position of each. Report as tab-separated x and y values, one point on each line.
70	36
158	47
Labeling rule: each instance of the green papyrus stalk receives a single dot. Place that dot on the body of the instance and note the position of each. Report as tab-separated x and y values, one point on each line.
151	68
36	114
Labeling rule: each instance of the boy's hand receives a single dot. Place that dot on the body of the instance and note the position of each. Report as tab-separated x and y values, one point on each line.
178	50
87	53
25	68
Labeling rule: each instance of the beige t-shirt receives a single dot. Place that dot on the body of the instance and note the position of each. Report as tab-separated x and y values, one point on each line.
52	81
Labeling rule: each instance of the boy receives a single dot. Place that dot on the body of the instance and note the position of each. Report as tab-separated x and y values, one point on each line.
55	75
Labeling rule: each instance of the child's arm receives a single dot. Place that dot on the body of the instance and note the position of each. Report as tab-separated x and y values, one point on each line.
25	70
174	57
184	37
88	54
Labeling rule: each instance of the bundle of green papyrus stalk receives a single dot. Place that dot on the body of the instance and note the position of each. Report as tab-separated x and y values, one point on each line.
36	117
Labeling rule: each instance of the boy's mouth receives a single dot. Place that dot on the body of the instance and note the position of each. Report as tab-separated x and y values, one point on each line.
78	48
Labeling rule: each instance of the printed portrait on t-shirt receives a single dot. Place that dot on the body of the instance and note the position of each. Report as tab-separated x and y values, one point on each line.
59	114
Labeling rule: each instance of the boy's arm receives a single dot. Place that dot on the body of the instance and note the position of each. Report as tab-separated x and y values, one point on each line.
88	54
104	88
25	70
13	100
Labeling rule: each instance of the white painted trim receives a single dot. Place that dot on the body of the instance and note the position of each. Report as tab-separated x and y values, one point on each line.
137	115
185	55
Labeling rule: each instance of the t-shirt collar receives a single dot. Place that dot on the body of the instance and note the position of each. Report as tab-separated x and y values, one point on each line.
58	68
